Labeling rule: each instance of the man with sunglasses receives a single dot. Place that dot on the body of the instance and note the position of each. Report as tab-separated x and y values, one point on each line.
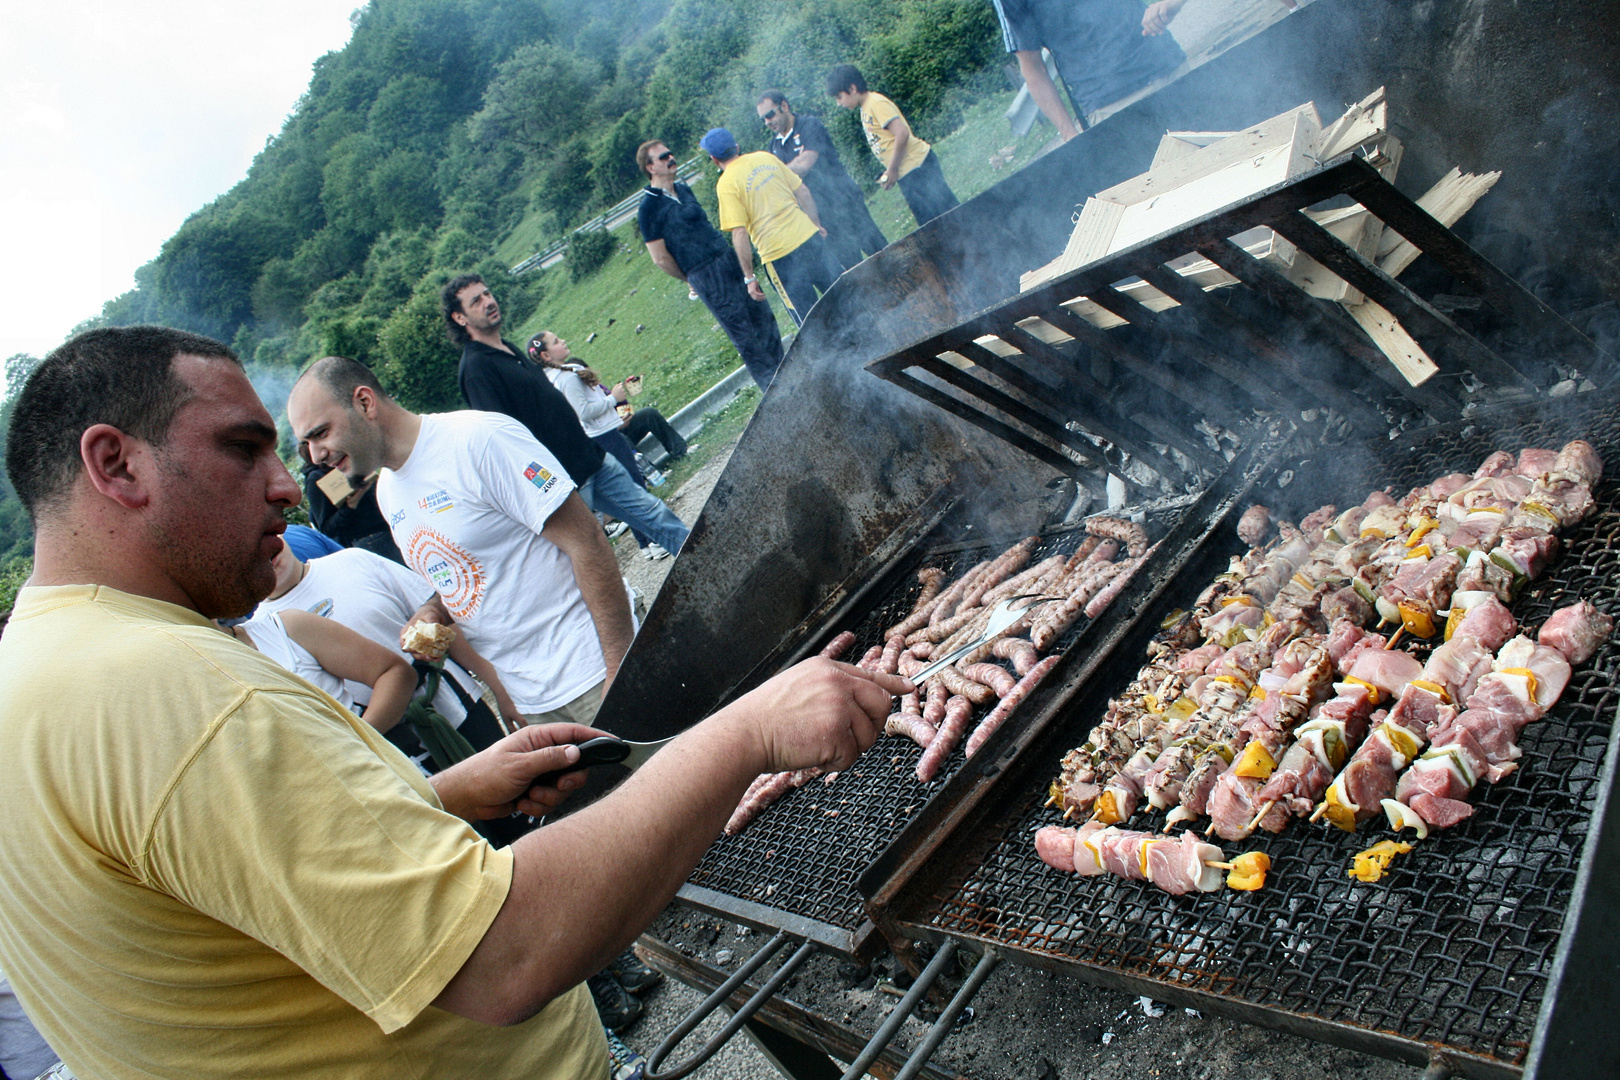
801	142
684	245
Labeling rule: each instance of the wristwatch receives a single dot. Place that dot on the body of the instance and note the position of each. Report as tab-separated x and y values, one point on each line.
750	279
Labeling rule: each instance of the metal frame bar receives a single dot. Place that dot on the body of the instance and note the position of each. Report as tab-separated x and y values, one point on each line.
1224	343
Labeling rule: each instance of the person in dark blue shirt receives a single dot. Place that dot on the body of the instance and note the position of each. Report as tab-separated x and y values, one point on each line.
802	143
687	247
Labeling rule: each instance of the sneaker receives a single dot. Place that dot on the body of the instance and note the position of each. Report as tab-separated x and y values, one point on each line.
653	552
616	530
614	1004
623	1062
632	974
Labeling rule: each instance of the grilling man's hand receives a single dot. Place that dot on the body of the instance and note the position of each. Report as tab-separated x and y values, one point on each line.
498	780
820	712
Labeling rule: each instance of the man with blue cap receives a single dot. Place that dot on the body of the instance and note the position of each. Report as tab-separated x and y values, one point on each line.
764	205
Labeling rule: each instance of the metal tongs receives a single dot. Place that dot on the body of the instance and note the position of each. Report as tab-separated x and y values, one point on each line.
1002	616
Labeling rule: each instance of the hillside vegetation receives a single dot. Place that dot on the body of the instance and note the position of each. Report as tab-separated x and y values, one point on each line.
453	135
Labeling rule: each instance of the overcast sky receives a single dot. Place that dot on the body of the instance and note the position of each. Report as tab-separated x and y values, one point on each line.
117	121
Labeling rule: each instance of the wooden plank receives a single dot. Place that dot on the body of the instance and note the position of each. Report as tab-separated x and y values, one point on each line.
1386	332
1244	146
1331	321
1405	305
1362	122
1446	202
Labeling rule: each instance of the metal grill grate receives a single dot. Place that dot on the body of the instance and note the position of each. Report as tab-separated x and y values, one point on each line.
804	853
1452	947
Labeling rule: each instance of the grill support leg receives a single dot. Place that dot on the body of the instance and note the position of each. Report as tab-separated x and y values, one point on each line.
792	1058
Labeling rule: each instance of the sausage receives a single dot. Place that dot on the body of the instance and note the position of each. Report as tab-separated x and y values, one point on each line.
996	677
870	661
952	597
1129	533
934	710
960	684
912	727
839	645
987	727
1006	564
1055	621
932	579
890	661
1106	597
1020	652
957	712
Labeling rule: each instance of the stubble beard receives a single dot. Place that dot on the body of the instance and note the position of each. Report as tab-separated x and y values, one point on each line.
224	576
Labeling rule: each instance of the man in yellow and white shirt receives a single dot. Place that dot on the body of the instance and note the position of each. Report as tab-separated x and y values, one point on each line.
907	160
225	873
765	206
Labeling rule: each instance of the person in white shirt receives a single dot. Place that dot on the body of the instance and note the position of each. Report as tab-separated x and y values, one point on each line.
597	407
378	599
487	515
331	657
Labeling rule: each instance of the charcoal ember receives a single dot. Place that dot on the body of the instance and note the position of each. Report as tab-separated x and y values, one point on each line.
854	973
1044	1070
1091	1034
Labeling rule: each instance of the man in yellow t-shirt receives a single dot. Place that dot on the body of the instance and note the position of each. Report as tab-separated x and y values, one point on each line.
216	870
765	206
906	159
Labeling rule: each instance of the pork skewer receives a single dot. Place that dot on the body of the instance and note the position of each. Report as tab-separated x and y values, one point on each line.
1179	866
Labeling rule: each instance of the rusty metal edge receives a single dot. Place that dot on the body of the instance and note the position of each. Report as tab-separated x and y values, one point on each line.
781	1012
859	943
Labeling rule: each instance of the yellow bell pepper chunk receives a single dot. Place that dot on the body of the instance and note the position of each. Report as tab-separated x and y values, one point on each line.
1422	551
1403	741
1434	688
1248	871
1054	794
1529	678
1372	864
1454	620
1374	532
1233	679
1181	708
1258	693
1256	763
1374	695
1425	526
1340	811
1418	623
1141	855
1107	809
1241	598
1152	703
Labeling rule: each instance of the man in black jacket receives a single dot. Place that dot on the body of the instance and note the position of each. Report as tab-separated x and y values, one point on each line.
802	143
687	247
496	377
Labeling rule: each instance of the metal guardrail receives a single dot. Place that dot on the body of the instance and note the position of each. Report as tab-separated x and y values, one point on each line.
610	218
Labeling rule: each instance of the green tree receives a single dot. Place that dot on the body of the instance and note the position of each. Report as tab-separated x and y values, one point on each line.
534	99
419	366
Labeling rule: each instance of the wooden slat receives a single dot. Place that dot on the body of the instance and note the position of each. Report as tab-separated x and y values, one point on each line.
1413	311
1331	321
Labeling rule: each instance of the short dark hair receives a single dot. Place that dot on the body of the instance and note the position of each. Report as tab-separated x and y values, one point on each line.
118	375
450	301
644	153
340	376
775	97
843	77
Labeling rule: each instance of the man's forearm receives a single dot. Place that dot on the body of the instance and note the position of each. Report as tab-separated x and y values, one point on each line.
744	249
901	139
1044	93
462	652
665	261
603	589
807	203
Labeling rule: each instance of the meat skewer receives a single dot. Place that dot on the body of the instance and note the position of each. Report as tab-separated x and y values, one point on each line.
1179	866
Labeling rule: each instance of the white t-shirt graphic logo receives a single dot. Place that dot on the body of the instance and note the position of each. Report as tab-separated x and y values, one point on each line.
458	577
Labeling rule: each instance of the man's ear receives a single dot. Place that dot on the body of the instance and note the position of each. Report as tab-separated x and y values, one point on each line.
116	465
364	401
459	317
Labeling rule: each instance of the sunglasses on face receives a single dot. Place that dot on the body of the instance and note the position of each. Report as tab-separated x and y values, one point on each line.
769	116
667	155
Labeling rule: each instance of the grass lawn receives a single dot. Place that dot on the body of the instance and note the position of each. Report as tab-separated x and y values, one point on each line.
680	349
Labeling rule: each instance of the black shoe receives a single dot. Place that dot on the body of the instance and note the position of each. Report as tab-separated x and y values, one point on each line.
614	1004
632	974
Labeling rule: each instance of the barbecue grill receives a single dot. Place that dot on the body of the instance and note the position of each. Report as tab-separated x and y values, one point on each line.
845	484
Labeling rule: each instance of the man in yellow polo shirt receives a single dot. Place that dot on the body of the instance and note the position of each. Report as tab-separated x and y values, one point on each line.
765	202
213	868
907	160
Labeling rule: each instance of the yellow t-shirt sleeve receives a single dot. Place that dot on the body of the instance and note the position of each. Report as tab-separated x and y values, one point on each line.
400	894
882	110
733	214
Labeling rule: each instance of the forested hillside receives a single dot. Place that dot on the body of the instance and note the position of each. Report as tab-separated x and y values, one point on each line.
443	124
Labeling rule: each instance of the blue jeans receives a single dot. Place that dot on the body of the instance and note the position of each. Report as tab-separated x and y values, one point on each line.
611	491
